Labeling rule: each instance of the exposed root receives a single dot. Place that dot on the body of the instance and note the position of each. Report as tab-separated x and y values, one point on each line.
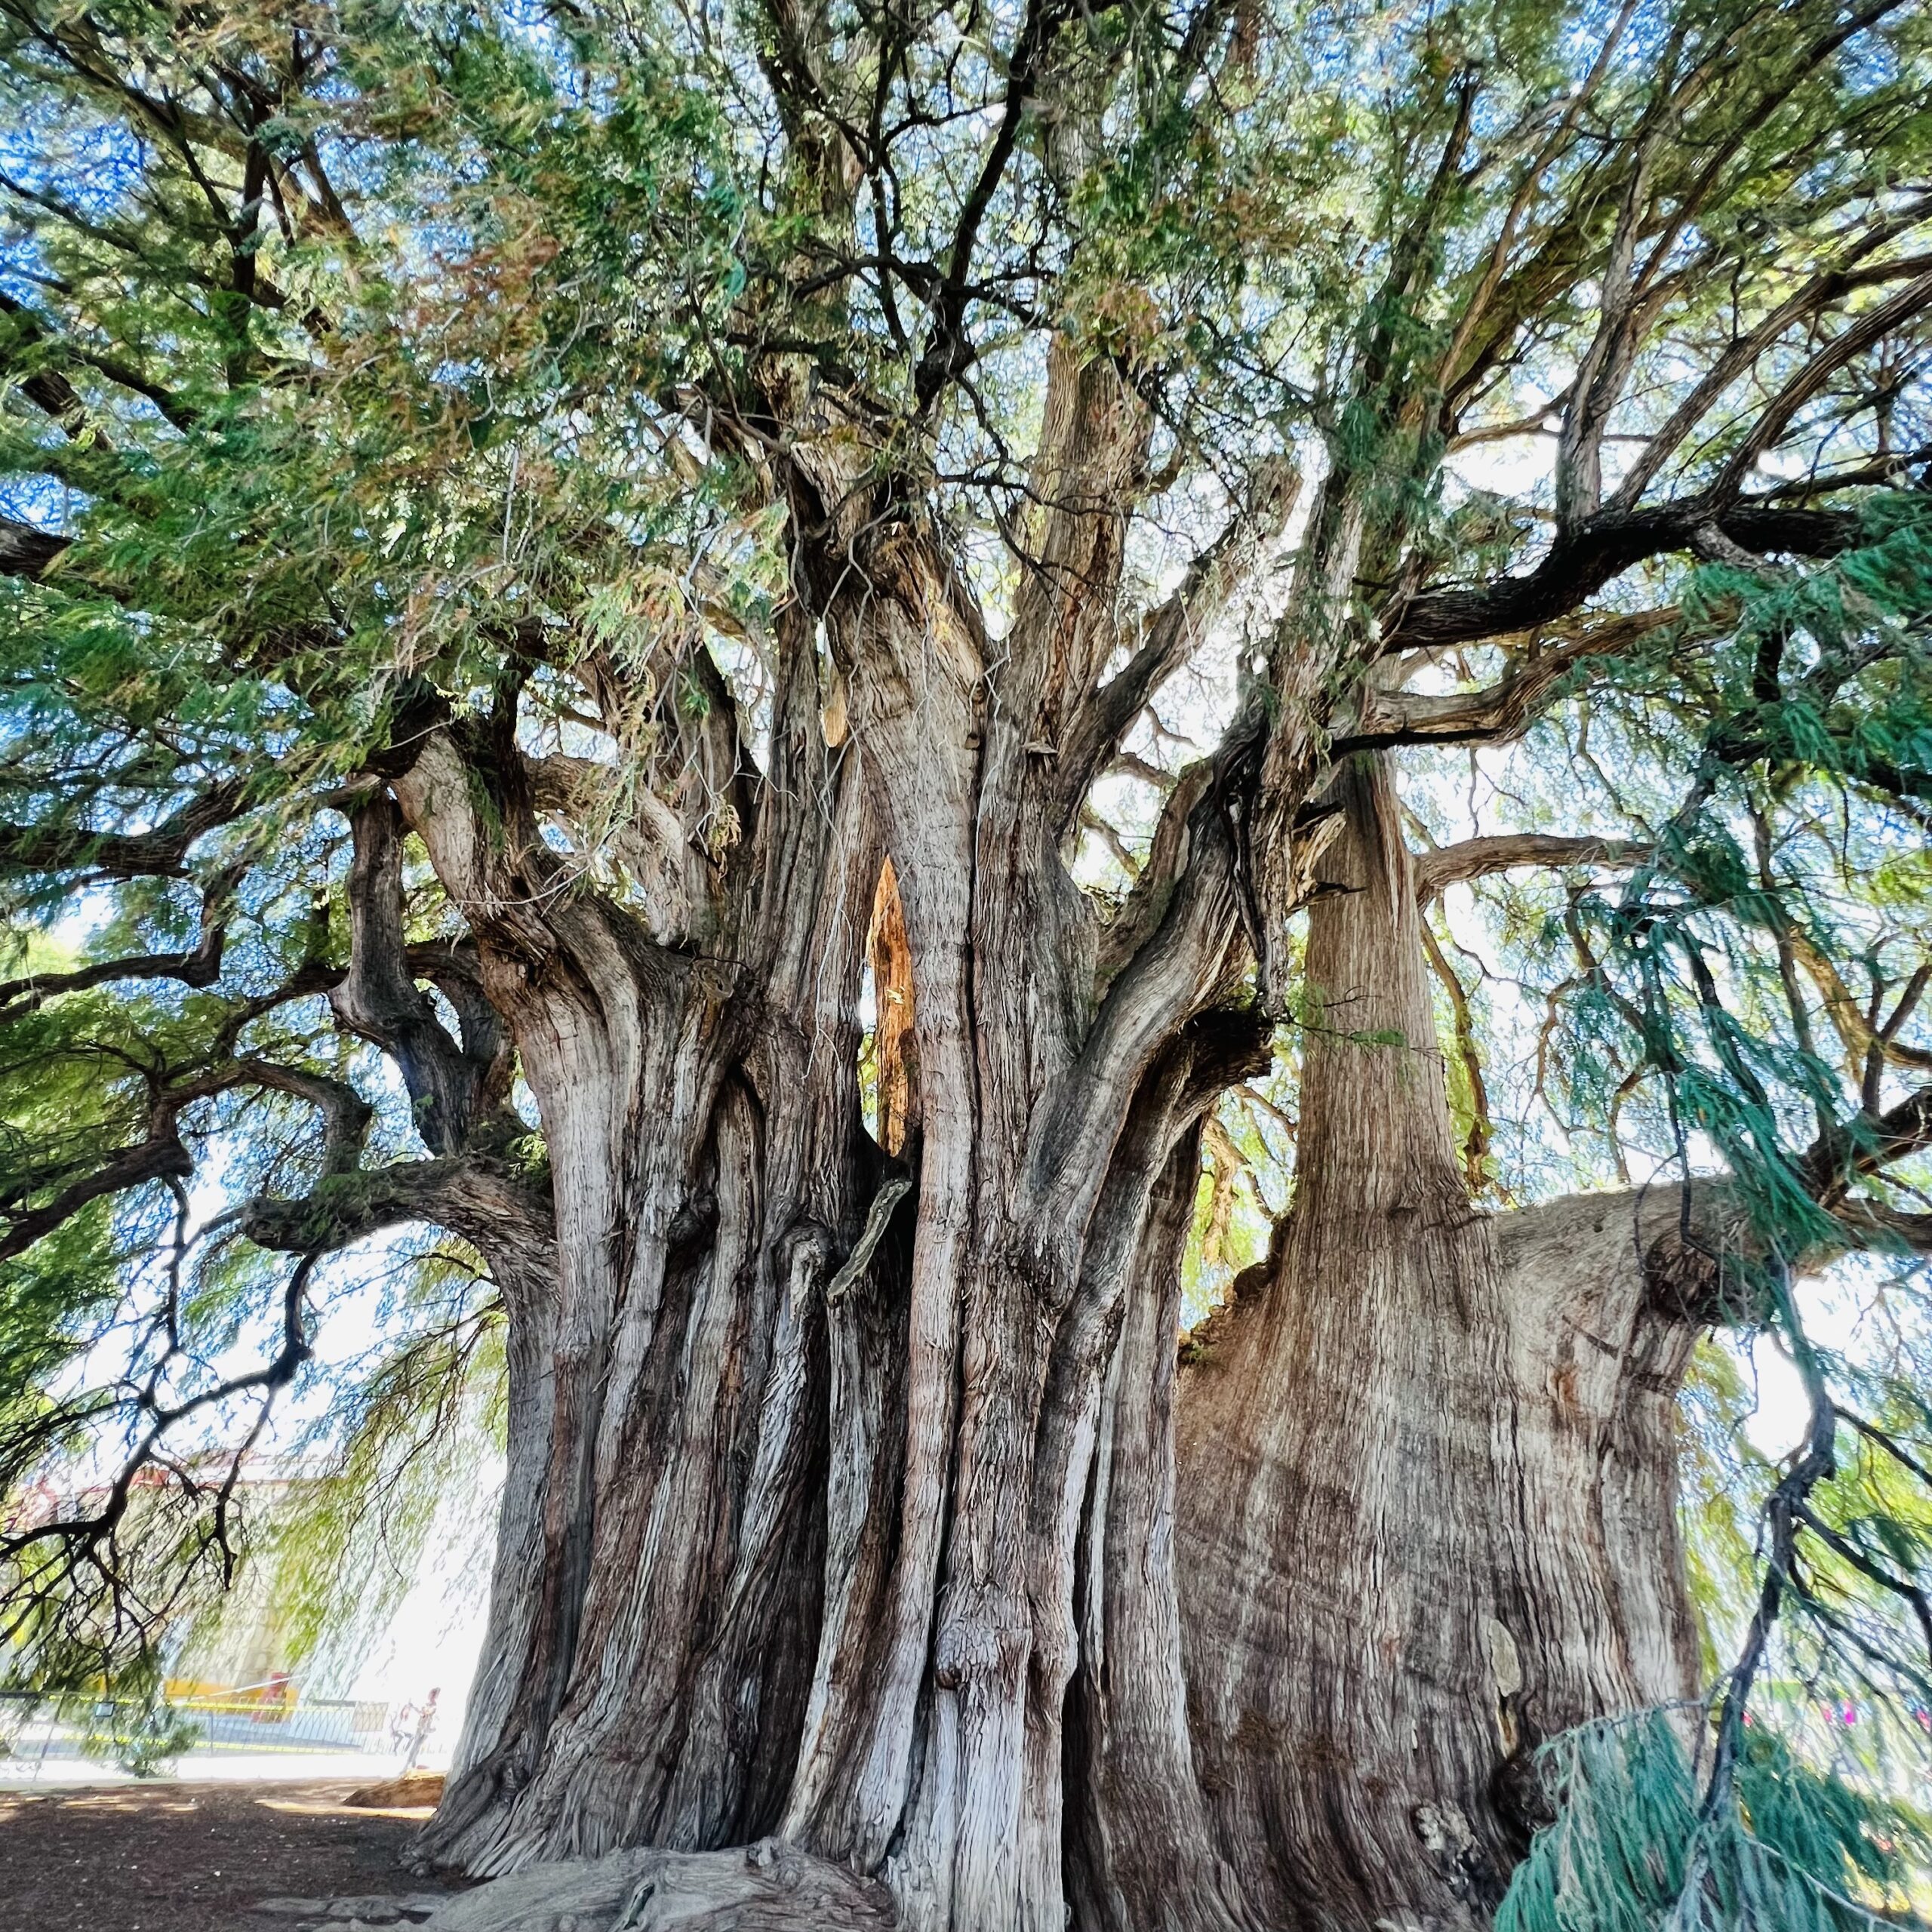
768	1886
414	1791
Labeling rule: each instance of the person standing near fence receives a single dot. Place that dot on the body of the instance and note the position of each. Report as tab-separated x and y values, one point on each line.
424	1723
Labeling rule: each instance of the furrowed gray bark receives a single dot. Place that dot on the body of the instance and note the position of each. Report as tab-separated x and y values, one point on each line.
656	1596
933	1744
858	1503
1141	1854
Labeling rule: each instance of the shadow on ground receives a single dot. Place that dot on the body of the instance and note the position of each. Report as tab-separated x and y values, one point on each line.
181	1857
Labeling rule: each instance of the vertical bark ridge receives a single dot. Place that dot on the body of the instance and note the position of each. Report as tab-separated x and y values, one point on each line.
1140	1852
647	1674
933	1749
908	640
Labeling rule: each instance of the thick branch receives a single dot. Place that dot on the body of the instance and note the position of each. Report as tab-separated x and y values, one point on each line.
1851	341
1173	633
1581	561
507	1216
1500	712
1866	1144
160	1157
1477	858
948	352
346	1115
1859	1036
26	551
57	396
378	998
198	966
649	839
1809	301
160	853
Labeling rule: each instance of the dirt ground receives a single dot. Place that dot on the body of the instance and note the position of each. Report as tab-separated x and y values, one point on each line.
189	1857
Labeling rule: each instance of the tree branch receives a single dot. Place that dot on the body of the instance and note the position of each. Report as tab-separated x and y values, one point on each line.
378	998
160	1157
507	1217
1581	561
200	966
160	853
26	551
1866	1144
947	351
1501	712
1436	871
1173	632
55	395
1809	301
1851	340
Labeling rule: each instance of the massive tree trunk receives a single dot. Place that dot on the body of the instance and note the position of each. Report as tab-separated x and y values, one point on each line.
655	1594
673	581
844	1499
1426	1499
933	1747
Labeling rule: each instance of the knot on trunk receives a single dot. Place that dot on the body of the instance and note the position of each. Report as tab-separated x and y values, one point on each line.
1698	1271
1461	1860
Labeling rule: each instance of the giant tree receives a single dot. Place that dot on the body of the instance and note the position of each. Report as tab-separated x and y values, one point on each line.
747	657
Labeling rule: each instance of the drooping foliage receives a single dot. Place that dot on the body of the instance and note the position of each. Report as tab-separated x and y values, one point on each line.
1635	1847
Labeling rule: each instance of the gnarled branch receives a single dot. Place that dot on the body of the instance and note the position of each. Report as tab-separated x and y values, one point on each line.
160	853
505	1215
1582	561
1173	633
1501	712
378	998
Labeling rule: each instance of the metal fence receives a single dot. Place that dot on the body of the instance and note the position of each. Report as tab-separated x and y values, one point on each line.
271	1718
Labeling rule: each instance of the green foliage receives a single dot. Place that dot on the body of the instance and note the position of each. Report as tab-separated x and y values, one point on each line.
1632	1848
1722	1478
402	1441
48	1297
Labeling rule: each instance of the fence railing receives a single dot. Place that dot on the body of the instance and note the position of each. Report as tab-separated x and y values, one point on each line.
274	1717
